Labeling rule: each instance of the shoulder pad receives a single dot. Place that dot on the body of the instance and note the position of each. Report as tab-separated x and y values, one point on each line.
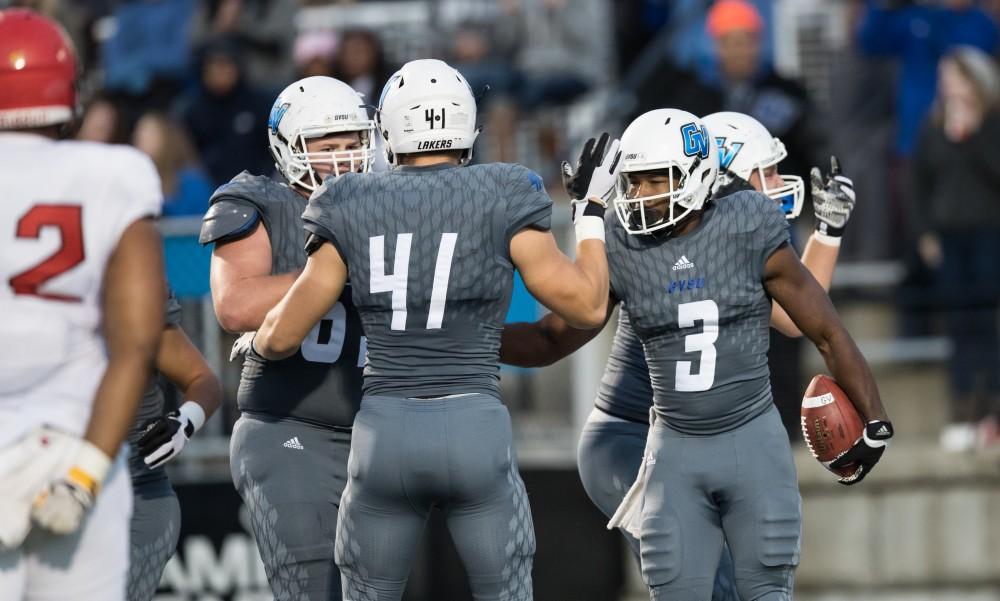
258	190
228	219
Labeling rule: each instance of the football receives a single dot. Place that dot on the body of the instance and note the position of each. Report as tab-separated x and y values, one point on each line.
830	424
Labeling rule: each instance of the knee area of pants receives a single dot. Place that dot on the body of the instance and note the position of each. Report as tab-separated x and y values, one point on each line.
779	528
765	583
660	548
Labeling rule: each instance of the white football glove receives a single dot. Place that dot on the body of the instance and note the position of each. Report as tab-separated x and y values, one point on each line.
165	437
833	200
242	345
62	505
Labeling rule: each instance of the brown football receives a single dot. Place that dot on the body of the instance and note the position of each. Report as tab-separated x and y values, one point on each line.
830	424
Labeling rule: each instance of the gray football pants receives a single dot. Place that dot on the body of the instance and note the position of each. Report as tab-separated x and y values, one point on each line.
153	534
411	455
608	460
291	475
739	487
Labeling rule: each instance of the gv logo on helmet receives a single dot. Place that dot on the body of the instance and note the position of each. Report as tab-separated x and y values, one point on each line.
727	153
277	112
695	140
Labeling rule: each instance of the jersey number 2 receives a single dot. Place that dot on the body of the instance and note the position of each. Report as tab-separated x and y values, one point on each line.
707	312
397	282
69	220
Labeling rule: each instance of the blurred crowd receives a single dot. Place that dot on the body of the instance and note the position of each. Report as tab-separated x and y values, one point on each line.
910	107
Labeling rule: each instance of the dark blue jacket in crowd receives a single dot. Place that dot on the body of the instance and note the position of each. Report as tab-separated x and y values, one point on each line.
920	35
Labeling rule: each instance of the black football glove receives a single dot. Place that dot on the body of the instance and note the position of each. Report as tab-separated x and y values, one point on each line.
833	199
576	181
866	451
163	438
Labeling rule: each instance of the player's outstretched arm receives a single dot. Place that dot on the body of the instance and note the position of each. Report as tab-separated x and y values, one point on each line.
795	289
833	202
543	342
183	364
133	291
577	290
243	289
312	295
821	260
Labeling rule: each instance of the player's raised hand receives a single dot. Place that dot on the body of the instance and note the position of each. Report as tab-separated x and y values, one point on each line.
594	174
866	451
833	199
62	505
164	438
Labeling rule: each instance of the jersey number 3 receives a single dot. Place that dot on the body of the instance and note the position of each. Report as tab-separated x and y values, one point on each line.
69	220
397	282
707	312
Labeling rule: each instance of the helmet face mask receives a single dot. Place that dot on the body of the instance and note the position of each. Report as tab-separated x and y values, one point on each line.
673	145
318	107
746	147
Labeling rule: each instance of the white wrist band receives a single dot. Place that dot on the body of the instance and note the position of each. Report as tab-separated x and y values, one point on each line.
826	239
589	227
194	413
93	464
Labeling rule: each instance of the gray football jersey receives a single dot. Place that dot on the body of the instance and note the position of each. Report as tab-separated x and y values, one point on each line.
698	304
321	382
428	253
151	406
625	390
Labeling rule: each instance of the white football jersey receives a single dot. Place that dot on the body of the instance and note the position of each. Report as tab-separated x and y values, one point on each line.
63	209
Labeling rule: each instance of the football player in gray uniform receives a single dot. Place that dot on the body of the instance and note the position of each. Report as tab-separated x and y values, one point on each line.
431	247
158	437
614	437
678	263
288	452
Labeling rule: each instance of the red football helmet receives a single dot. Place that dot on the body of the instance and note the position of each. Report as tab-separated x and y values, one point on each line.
37	71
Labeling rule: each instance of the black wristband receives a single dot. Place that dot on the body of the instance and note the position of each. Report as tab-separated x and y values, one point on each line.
827	230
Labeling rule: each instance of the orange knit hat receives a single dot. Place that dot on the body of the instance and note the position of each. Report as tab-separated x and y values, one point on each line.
727	16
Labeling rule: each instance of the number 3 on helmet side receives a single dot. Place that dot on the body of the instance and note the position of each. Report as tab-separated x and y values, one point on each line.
703	342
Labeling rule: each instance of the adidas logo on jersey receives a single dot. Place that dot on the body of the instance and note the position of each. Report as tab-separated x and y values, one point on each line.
682	264
293	443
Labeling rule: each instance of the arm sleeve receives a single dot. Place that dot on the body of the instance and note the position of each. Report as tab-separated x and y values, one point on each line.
528	204
923	184
320	217
771	232
172	310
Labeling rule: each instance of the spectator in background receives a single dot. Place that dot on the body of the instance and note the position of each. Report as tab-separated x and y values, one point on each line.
149	51
103	122
360	63
919	34
752	87
227	116
956	216
314	53
186	188
264	30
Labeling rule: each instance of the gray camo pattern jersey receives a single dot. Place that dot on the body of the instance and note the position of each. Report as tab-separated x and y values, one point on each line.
475	210
697	304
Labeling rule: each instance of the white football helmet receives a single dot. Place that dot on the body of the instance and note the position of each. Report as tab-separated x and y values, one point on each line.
312	108
745	145
661	140
427	106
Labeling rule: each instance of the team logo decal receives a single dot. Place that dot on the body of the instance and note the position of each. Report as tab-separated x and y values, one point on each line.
727	152
695	140
277	112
